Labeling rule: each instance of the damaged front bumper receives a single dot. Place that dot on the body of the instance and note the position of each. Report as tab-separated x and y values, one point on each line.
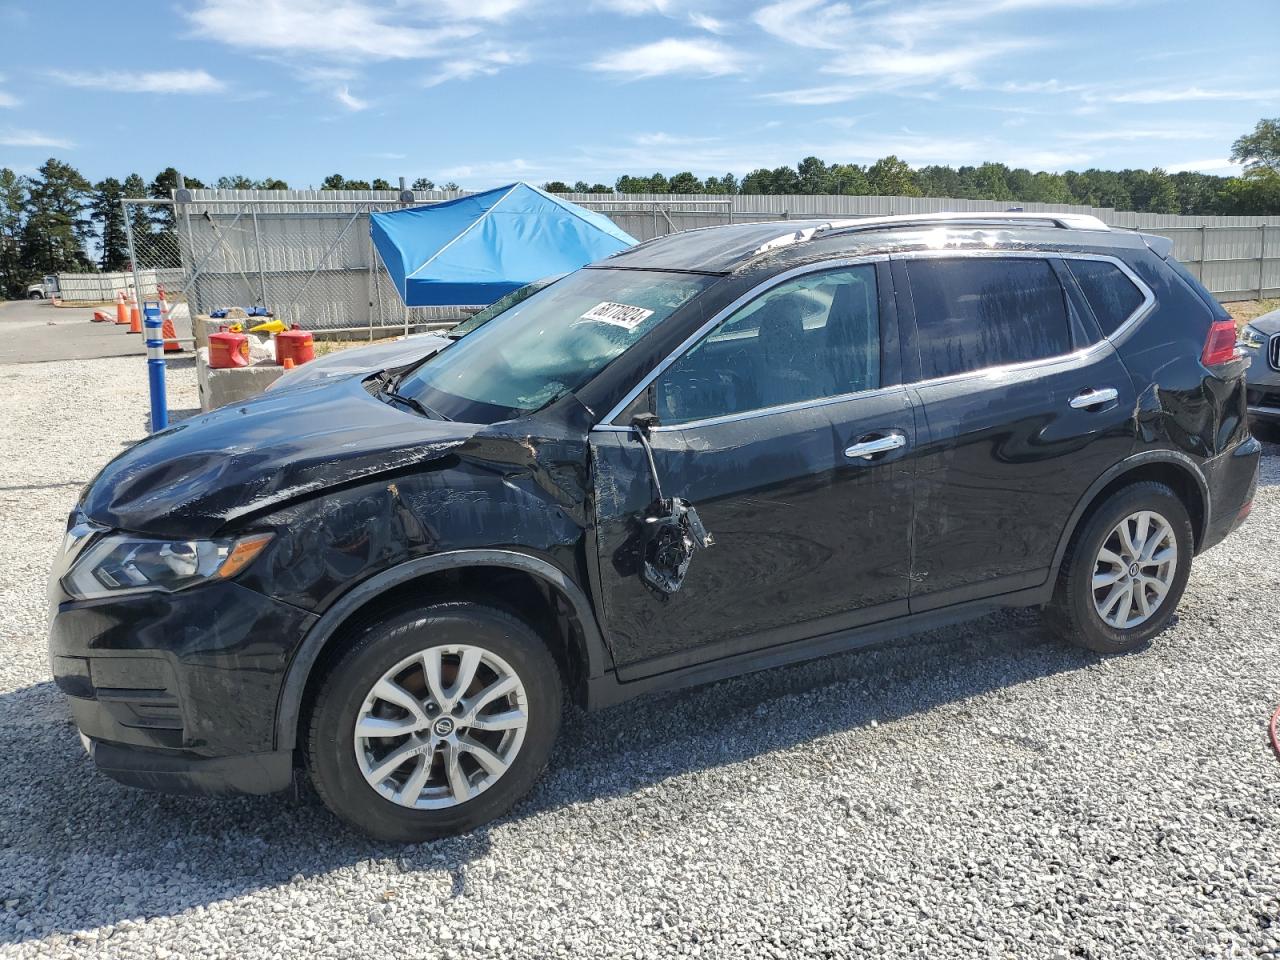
177	691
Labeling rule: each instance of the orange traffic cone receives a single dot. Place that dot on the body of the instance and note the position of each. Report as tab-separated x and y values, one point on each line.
135	321
171	344
122	310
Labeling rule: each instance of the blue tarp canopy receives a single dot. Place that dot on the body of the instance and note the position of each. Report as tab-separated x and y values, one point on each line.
473	250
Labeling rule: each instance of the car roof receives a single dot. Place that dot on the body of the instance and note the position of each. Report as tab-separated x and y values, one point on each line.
736	247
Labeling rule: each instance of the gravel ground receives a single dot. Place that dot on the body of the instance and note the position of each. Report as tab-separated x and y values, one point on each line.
977	792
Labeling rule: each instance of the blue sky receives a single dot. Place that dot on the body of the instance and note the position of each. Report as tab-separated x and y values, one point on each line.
486	91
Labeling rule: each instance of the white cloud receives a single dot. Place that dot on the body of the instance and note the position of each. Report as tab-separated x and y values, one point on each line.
634	8
888	63
1130	133
160	81
661	139
818	96
340	28
1184	94
1219	165
8	100
475	9
706	58
483	63
835	25
709	24
33	138
349	100
490	172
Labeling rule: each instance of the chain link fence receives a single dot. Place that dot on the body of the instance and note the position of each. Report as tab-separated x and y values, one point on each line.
307	263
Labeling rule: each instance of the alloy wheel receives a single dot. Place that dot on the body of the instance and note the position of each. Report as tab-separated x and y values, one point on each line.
1135	569
441	726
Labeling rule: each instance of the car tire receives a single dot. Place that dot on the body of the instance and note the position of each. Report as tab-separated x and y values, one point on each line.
35	296
455	775
1089	606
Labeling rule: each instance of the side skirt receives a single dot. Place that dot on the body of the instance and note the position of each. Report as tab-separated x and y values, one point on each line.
607	690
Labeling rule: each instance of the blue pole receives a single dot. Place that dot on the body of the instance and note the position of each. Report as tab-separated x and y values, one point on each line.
153	329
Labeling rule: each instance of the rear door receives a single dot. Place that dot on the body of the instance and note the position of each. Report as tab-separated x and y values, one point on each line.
1023	406
785	423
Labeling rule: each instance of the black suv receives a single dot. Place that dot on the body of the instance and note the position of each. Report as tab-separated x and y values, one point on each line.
716	452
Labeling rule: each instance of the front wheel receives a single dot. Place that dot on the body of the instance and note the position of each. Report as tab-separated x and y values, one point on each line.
434	721
1125	570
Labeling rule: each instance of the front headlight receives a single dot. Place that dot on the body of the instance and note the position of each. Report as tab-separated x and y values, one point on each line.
119	563
1251	338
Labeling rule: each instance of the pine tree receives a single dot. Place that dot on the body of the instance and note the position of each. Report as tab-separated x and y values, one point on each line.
107	212
56	228
13	202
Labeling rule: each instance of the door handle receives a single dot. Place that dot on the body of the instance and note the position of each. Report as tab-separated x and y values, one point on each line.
1093	398
866	449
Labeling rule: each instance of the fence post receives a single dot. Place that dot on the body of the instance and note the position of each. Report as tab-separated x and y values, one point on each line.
153	330
1262	260
257	242
1204	251
133	253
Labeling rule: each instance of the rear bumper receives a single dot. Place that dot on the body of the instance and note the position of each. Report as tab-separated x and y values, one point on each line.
1233	480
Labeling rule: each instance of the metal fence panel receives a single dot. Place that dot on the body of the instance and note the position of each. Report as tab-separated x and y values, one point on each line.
307	255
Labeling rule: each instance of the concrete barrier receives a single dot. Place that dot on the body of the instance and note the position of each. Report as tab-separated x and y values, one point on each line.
231	385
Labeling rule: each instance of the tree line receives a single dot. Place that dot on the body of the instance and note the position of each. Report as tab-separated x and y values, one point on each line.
57	221
1255	192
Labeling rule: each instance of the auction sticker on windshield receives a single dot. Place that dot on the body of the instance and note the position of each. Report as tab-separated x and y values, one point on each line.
618	314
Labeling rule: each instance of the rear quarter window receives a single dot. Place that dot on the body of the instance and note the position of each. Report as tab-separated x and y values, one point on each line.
1111	295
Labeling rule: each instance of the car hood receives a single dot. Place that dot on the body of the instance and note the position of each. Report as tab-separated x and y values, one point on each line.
1267	323
212	470
366	360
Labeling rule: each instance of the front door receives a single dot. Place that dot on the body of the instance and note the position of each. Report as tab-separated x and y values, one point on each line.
787	430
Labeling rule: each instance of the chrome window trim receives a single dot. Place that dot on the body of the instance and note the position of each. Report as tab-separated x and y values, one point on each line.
758	412
1083	354
607	421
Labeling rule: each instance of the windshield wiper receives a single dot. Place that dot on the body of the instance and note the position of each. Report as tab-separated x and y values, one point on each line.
389	391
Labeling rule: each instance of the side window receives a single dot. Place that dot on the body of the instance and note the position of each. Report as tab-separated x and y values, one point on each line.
813	337
1111	294
978	312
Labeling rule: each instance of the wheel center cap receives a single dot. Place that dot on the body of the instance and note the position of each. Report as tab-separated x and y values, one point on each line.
1133	569
443	726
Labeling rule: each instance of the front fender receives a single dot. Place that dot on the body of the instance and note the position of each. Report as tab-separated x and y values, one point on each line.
304	659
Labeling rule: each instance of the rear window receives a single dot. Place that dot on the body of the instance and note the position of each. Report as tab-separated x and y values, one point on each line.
980	312
1112	296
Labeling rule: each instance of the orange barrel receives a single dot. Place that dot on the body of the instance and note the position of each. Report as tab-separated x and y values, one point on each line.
228	349
296	345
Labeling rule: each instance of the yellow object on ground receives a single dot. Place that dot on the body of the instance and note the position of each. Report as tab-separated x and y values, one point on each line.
269	326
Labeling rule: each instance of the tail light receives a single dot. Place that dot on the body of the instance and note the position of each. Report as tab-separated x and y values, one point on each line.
1220	345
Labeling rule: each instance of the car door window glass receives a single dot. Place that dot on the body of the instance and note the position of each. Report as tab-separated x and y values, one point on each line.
1110	293
978	312
813	337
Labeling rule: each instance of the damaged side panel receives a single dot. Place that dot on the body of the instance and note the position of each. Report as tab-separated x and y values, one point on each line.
496	491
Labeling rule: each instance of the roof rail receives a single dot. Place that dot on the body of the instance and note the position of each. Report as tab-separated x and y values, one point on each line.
1064	221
